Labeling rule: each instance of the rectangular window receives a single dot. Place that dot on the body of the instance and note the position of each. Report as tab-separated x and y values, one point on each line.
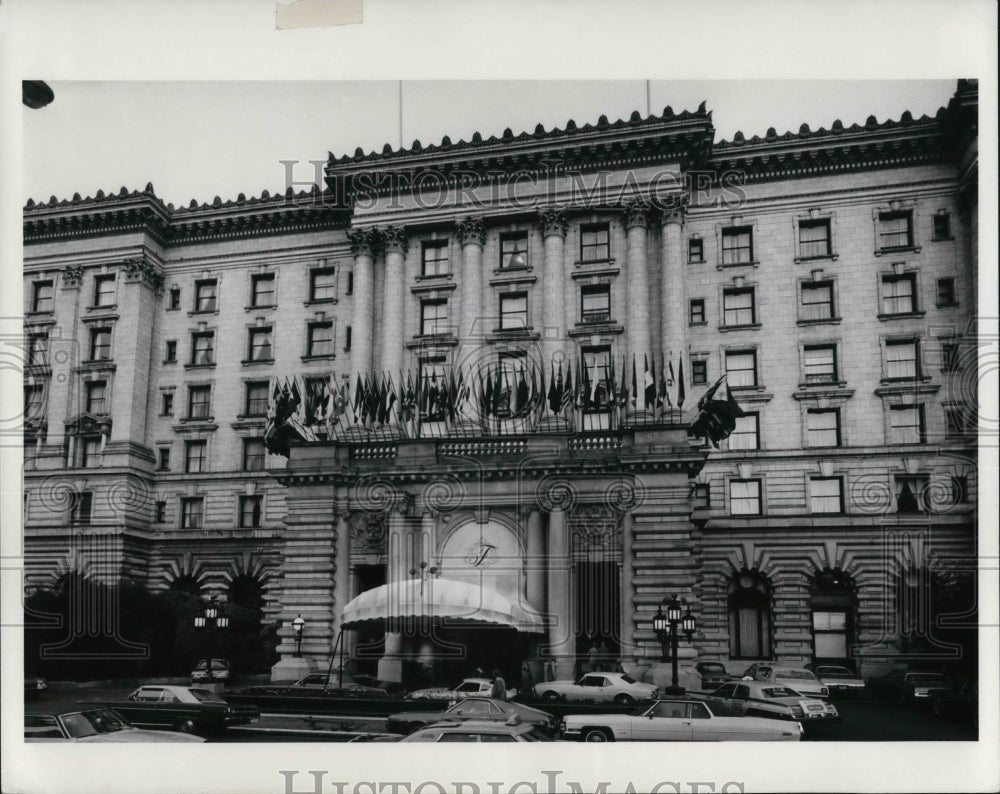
514	312
203	348
347	338
595	243
817	301
942	226
514	250
958	422
434	258
104	290
823	427
42	296
433	317
323	284
100	344
81	507
906	424
38	350
946	292
34	401
253	454
696	250
97	397
262	290
820	363
696	312
192	512
949	356
902	360
738	307
895	230
826	495
163	462
251	508
170	356
161	512
746	434
744	497
167	408
205	293
814	238
741	368
911	493
350	282
320	339
259	347
194	456
595	304
699	371
90	452
199	402
737	245
175	298
256	399
899	294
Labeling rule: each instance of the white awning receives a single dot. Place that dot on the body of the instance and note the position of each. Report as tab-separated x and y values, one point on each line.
447	600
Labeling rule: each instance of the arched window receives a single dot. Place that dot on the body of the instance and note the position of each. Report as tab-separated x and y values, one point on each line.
246	592
749	617
831	599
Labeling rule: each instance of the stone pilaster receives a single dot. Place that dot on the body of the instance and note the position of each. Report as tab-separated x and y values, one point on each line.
672	303
393	316
400	560
535	591
552	223
472	237
637	281
562	643
364	242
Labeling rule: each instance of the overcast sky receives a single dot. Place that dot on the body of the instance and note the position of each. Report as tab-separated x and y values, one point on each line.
200	140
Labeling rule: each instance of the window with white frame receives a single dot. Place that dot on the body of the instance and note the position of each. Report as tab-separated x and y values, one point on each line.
820	363
251	510
595	242
195	453
514	311
203	348
322	284
744	498
746	433
434	317
97	397
738	306
826	495
906	424
696	250
90	451
823	427
696	311
254	454
817	301
262	290
199	402
38	349
256	398
192	512
320	339
902	359
741	368
514	250
100	344
899	294
895	229
814	238
595	303
434	258
699	371
205	295
34	401
737	245
259	344
104	290
42	296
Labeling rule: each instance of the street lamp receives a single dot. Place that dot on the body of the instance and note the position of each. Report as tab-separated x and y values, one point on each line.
297	626
665	626
211	619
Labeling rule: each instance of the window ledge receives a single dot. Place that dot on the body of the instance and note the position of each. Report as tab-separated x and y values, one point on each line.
902	249
696	261
747	327
756	394
521	276
831	392
500	271
902	316
100	317
190	419
609	262
322	357
169	361
824	321
200	366
109	307
513	335
47	313
907	389
824	384
948	305
700	322
261	308
430	340
432	286
316	302
203	313
96	366
750	263
821	258
434	277
249	362
592	329
942	239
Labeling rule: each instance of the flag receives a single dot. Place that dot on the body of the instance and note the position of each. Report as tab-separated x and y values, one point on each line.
391	412
595	385
661	393
568	395
359	402
487	397
522	403
555	389
624	386
635	387
585	393
612	387
680	381
717	413
649	379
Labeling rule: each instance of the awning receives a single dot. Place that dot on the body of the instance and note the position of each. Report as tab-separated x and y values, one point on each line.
452	602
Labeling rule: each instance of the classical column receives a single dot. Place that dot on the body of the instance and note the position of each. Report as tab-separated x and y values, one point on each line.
342	574
535	591
390	666
552	222
472	237
627	579
363	245
562	644
637	280
674	312
391	360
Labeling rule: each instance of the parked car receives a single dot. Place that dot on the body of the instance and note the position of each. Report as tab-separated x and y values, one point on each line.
33	687
376	737
333	685
618	688
960	705
479	731
473	708
764	699
210	671
801	680
677	721
183	708
713	675
903	686
837	678
93	725
469	687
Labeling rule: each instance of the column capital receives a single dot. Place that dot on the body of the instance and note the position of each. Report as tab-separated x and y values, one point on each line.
636	215
394	239
142	270
552	221
673	208
471	230
364	242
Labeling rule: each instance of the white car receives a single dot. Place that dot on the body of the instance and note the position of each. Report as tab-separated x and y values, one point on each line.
678	721
481	687
618	688
763	699
93	725
801	680
837	678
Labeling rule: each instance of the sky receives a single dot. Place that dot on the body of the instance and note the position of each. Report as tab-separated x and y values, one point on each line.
198	140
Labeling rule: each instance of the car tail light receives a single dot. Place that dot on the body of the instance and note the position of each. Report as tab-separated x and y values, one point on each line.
798	711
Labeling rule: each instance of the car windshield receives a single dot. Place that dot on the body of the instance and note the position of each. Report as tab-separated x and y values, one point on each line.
627	678
205	696
91	723
800	674
779	692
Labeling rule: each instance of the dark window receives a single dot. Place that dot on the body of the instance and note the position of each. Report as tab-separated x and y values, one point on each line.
737	245
942	226
814	238
696	250
744	498
960	489
90	451
194	456
164	459
696	314
946	292
514	312
259	347
895	230
199	402
320	339
171	355
749	605
902	359
595	243
746	434
81	506
826	495
699	371
42	296
203	348
738	307
168	404
175	298
256	399
347	338
192	512
104	290
434	258
741	368
906	424
817	300
205	294
323	284
912	493
514	250
97	397
38	350
899	294
161	512
34	401
434	317
595	303
250	510
350	282
702	495
820	363
262	289
253	454
823	427
100	344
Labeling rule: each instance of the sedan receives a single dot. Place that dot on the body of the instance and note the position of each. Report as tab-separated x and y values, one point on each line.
761	699
713	675
474	708
93	725
478	731
332	685
210	671
838	679
902	686
482	687
801	680
619	688
183	708
678	721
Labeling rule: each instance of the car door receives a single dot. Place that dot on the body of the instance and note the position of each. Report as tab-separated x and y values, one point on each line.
705	727
590	687
141	706
664	721
739	700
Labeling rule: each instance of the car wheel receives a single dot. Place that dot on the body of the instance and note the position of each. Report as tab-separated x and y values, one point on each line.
596	735
184	726
624	700
551	696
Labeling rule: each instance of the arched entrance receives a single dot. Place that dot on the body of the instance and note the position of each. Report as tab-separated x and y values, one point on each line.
749	616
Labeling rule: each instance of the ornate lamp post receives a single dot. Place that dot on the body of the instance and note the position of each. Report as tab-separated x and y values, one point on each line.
297	626
212	619
665	626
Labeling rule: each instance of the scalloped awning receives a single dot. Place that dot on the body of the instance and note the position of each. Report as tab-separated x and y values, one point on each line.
448	600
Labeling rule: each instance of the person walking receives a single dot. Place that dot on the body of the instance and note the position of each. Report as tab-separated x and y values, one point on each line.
499	690
592	658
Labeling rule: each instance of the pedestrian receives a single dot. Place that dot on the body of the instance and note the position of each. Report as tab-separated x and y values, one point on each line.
592	658
499	690
603	659
550	669
479	672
